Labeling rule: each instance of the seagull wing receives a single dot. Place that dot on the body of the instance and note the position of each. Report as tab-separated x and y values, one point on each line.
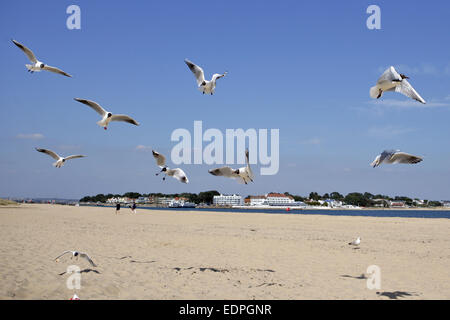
49	152
197	71
374	162
224	172
124	118
249	172
386	154
406	88
160	159
56	70
93	105
85	256
218	76
65	252
402	157
74	157
389	75
178	174
27	51
248	169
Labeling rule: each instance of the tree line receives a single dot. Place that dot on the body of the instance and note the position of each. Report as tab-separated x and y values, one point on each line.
202	197
365	199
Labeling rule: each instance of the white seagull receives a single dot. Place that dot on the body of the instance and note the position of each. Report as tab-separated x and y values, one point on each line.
395	156
77	254
37	65
107	116
204	86
59	160
355	242
391	80
177	173
242	175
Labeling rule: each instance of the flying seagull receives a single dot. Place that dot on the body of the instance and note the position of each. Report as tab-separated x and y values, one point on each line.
355	242
59	160
77	254
107	116
391	80
176	173
395	156
242	175
37	65
204	86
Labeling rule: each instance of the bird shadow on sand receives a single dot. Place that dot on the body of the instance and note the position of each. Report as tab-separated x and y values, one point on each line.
135	261
131	261
396	294
361	277
202	269
88	270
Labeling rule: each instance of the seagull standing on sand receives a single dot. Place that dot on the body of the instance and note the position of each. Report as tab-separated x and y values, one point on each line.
59	160
177	173
242	175
107	116
37	65
355	242
77	254
395	156
391	80
204	86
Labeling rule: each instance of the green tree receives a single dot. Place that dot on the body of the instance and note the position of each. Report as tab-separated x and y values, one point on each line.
356	199
336	196
207	196
314	196
132	195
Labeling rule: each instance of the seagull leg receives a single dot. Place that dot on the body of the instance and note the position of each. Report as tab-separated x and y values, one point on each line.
380	93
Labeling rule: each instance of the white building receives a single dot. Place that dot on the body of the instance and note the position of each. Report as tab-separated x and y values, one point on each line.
333	203
257	200
278	199
118	200
228	200
165	201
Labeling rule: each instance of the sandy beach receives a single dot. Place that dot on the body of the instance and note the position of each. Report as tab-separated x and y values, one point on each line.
213	255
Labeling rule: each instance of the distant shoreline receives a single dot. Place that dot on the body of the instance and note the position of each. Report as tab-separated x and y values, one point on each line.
282	208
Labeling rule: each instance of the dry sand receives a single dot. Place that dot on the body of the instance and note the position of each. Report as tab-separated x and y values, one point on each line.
211	255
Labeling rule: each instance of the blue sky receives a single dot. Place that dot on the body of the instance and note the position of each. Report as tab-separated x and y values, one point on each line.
302	67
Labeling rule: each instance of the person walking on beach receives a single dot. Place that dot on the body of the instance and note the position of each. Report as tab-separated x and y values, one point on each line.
117	208
133	207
